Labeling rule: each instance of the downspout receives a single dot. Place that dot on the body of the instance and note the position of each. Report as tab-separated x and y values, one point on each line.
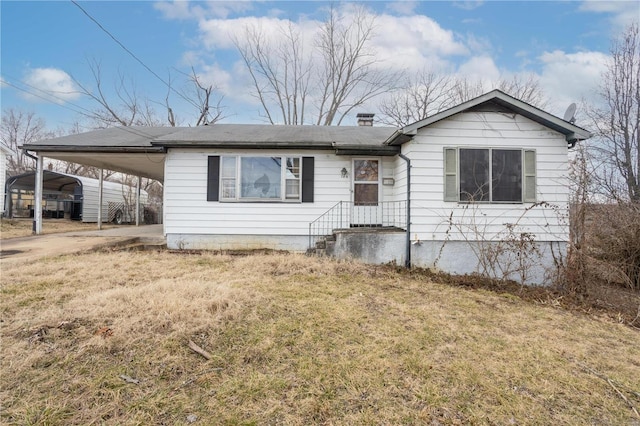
407	261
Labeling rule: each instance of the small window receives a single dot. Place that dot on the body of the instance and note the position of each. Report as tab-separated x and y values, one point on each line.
489	175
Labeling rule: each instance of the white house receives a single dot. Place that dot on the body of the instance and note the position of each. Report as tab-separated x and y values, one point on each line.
481	187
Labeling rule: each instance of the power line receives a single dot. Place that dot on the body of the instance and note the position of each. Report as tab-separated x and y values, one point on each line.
48	99
133	55
87	113
120	44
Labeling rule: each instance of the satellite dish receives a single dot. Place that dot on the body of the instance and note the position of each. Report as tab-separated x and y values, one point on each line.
570	113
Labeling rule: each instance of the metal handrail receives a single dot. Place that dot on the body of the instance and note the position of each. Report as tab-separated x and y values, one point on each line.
345	214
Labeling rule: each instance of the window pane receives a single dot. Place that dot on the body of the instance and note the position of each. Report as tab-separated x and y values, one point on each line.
228	188
506	173
229	167
260	177
293	168
228	177
365	170
293	189
474	175
365	194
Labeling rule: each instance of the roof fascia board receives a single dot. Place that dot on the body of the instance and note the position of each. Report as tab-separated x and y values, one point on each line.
383	151
92	149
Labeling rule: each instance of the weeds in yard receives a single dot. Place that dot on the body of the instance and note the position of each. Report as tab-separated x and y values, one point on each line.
294	340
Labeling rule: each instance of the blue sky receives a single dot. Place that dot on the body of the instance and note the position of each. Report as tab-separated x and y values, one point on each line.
46	44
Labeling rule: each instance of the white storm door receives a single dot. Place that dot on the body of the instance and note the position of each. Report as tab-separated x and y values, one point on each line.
367	206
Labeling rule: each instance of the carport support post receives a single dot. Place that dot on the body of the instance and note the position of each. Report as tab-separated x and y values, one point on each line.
100	181
138	201
37	199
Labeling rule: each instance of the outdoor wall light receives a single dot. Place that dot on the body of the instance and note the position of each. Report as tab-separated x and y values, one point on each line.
344	172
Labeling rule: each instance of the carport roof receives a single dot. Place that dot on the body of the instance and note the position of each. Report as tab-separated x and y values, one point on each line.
113	139
123	149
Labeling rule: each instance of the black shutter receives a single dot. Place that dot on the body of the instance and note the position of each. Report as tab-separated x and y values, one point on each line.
213	177
307	179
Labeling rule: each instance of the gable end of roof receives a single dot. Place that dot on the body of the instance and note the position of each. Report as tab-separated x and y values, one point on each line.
496	101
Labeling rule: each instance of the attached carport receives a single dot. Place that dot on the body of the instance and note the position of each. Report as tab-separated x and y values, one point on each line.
122	149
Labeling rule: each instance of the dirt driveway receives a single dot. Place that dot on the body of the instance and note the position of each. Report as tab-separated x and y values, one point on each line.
34	247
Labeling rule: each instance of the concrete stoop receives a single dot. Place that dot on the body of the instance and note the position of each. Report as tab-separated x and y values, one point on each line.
370	245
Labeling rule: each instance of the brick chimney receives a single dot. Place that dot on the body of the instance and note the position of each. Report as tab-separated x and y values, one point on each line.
365	119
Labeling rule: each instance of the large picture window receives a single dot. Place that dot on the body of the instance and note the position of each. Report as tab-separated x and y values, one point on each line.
260	178
489	175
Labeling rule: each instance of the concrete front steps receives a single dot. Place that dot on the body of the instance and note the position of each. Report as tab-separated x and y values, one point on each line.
375	245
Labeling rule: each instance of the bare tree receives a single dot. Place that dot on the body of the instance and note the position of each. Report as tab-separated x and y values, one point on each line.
429	93
617	121
124	106
526	88
280	72
200	97
466	88
338	76
348	76
426	94
19	128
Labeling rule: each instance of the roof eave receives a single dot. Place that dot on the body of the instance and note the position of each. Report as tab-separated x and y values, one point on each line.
380	150
93	149
242	145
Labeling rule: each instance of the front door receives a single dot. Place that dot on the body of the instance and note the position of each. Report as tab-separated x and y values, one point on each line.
367	207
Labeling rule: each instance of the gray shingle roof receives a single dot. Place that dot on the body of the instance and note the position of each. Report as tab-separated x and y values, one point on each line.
221	135
259	135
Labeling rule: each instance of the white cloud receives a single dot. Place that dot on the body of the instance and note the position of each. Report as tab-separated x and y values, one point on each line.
402	7
480	68
178	10
623	12
219	33
183	10
571	77
415	42
52	81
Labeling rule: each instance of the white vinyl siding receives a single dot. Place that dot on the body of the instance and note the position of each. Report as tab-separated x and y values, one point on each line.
433	218
187	211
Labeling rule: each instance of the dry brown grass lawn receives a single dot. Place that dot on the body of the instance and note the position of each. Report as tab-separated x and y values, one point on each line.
14	228
296	341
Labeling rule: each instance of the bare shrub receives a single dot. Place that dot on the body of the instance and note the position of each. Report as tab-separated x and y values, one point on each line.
613	244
